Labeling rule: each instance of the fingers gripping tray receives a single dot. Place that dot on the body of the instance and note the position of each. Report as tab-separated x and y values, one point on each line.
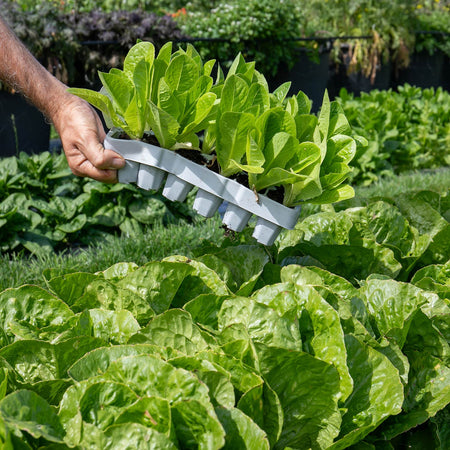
149	166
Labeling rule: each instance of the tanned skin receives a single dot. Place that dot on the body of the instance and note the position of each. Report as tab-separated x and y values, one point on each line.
76	122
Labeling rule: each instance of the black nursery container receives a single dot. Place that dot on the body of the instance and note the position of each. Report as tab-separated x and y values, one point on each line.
356	82
23	128
307	75
425	70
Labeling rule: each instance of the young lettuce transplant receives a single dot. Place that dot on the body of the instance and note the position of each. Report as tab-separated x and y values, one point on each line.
277	140
168	94
273	138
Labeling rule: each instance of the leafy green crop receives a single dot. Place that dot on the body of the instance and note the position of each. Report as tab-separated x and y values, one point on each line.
393	236
338	335
278	141
273	138
208	353
168	94
43	207
406	130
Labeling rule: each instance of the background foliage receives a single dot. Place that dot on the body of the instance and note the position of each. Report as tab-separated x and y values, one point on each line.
106	37
406	130
263	31
277	29
43	207
75	45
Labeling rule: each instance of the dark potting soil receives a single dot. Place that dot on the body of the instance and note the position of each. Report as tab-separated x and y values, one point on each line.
193	155
276	194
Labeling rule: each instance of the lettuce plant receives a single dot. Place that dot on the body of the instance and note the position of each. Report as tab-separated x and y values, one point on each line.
44	208
168	94
277	140
274	139
408	130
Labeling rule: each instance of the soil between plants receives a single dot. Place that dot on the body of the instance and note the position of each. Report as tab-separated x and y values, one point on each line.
275	194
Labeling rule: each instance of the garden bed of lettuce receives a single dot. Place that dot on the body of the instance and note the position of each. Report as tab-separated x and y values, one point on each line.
336	336
44	208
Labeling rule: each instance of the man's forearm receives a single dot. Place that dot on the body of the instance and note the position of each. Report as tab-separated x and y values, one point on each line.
76	122
24	73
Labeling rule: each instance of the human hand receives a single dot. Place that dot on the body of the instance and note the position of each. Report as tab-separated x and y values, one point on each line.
82	135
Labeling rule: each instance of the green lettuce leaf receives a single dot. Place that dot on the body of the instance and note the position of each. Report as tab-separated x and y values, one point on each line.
308	397
97	361
156	282
24	410
33	306
241	431
109	295
378	393
173	329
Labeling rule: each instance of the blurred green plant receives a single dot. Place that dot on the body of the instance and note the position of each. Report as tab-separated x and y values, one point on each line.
261	30
432	26
406	130
162	6
43	30
44	208
388	37
57	35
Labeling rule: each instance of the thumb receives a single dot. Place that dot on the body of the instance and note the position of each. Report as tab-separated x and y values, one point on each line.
99	156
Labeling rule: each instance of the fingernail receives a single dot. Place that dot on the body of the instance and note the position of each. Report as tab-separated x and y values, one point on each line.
118	163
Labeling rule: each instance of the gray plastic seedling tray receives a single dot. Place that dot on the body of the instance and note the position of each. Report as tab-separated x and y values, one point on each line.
148	166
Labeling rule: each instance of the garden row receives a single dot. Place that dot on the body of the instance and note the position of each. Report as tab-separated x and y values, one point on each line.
44	207
317	343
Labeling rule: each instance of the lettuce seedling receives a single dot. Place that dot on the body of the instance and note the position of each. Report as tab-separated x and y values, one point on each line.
277	141
244	96
322	160
169	95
